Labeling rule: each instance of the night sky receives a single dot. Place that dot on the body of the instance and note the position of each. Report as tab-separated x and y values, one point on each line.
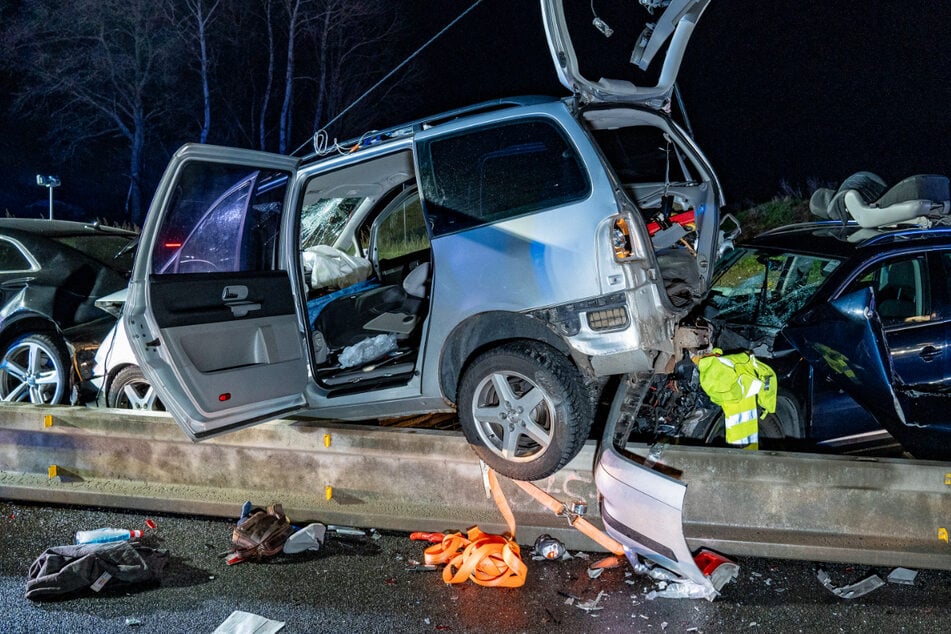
799	92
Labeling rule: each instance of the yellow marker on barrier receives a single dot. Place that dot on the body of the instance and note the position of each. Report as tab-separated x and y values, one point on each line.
48	422
329	493
947	479
52	472
943	535
327	444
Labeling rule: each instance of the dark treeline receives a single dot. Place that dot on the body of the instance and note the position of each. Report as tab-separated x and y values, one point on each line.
107	89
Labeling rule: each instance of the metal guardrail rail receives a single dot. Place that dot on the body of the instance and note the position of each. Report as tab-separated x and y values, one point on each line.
886	512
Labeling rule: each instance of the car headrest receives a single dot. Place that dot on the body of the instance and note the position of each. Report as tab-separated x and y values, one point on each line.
415	283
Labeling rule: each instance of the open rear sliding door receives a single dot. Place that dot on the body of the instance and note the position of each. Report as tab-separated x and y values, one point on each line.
211	315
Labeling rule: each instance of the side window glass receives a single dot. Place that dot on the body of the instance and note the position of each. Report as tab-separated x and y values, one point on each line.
496	173
942	309
902	290
766	290
402	230
223	218
12	259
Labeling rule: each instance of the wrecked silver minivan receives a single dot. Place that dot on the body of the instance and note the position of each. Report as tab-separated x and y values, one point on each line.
500	260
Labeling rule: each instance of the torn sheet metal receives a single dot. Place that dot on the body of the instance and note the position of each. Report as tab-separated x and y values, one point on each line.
642	502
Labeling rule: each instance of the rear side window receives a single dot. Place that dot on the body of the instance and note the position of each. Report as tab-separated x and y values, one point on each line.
496	173
12	259
223	218
902	290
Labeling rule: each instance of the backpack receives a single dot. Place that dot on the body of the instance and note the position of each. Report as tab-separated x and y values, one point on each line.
261	534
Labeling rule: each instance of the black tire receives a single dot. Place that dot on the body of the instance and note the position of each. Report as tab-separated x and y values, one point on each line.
783	424
541	440
35	369
131	390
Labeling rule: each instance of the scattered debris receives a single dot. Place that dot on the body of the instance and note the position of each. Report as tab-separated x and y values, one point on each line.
132	622
716	568
432	538
311	537
590	606
903	576
65	569
569	598
682	590
260	533
547	547
239	622
858	589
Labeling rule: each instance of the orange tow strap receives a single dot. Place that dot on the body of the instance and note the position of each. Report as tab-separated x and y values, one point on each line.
486	559
495	560
558	508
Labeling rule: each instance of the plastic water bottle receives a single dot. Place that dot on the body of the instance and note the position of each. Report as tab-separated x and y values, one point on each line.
102	535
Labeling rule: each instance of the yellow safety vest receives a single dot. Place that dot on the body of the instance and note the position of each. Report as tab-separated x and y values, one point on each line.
739	384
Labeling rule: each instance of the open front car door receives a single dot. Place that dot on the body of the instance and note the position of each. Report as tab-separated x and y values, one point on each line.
211	315
846	338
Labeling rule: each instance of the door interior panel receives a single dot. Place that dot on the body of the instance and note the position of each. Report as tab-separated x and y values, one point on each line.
236	335
182	300
266	351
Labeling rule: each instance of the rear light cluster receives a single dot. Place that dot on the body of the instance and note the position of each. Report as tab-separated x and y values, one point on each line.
621	240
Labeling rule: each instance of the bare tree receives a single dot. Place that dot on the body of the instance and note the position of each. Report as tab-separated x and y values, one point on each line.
348	59
99	68
194	28
269	75
295	15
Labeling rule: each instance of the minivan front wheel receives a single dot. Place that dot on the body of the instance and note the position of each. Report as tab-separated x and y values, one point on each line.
524	410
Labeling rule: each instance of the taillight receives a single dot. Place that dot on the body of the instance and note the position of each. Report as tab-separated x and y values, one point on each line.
621	240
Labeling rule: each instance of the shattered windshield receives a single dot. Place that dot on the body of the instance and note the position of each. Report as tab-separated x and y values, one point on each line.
764	289
323	220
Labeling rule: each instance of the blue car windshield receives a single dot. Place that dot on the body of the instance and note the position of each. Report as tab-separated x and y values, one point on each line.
757	288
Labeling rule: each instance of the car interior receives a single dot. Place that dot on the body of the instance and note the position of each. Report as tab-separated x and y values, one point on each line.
367	322
666	186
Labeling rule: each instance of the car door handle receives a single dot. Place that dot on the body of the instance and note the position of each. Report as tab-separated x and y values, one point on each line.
929	353
240	309
235	297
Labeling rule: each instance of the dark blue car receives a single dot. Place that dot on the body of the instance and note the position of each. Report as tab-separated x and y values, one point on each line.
855	321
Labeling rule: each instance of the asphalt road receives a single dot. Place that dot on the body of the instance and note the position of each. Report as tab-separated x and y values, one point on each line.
365	586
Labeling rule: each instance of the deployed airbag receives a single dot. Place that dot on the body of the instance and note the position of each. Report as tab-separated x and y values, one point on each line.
329	267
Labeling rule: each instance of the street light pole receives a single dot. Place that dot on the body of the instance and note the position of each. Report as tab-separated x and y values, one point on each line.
48	182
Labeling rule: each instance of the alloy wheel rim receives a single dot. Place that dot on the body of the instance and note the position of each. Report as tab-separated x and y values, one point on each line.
30	373
513	416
